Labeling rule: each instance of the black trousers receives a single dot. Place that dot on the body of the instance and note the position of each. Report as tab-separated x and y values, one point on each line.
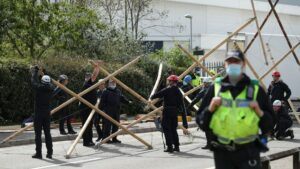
40	123
246	158
97	118
65	116
109	127
88	133
281	128
169	125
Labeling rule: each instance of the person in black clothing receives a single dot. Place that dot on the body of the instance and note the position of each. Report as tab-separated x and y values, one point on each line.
42	95
173	102
278	90
64	114
199	96
90	80
244	156
97	117
111	100
186	86
283	122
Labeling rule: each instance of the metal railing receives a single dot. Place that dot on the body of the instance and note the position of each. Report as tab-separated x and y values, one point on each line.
265	160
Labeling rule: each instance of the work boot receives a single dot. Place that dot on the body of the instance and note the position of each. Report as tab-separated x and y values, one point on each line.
176	148
37	156
169	150
90	144
49	156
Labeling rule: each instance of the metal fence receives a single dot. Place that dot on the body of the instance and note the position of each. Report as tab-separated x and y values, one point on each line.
215	66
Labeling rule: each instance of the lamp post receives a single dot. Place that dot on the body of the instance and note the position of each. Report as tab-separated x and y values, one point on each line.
191	30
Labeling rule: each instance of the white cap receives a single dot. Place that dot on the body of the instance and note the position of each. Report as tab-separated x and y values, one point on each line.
206	80
277	103
46	79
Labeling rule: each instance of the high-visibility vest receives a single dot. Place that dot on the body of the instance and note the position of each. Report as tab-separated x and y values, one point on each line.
234	121
196	81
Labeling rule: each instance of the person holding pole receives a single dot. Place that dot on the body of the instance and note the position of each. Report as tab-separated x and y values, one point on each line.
235	108
42	95
97	117
173	102
110	103
90	80
64	115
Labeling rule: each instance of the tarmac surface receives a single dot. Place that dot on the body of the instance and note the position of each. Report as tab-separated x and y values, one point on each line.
131	154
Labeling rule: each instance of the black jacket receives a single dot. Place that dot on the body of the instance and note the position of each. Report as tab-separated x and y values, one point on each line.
42	96
111	100
266	121
90	96
60	95
282	115
173	99
276	91
199	95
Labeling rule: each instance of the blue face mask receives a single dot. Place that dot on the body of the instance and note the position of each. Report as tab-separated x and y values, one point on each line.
234	70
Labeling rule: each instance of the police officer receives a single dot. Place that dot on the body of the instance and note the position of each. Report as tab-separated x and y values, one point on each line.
111	100
42	94
196	77
173	102
234	109
283	123
64	114
97	117
90	80
278	90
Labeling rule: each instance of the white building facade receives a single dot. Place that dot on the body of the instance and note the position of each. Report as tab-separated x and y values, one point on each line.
213	20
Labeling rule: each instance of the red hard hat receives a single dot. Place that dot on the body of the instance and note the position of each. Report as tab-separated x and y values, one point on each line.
276	73
173	78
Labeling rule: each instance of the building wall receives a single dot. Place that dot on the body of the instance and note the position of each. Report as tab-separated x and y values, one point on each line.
214	19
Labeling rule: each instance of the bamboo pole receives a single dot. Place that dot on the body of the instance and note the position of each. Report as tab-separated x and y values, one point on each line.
264	86
259	32
279	61
79	136
283	31
188	99
82	100
131	124
135	94
260	28
157	80
270	54
216	47
73	98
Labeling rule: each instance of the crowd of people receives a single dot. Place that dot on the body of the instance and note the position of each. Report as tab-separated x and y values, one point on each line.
236	113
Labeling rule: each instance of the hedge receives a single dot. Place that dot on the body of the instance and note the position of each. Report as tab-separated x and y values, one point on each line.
16	97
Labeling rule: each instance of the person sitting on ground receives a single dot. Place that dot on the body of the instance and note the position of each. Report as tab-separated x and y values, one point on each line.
283	123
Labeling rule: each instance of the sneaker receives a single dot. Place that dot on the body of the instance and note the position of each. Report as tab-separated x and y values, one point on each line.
72	132
49	156
37	156
63	133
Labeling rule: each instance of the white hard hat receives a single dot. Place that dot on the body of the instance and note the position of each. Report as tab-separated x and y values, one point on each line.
277	103
206	80
46	79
